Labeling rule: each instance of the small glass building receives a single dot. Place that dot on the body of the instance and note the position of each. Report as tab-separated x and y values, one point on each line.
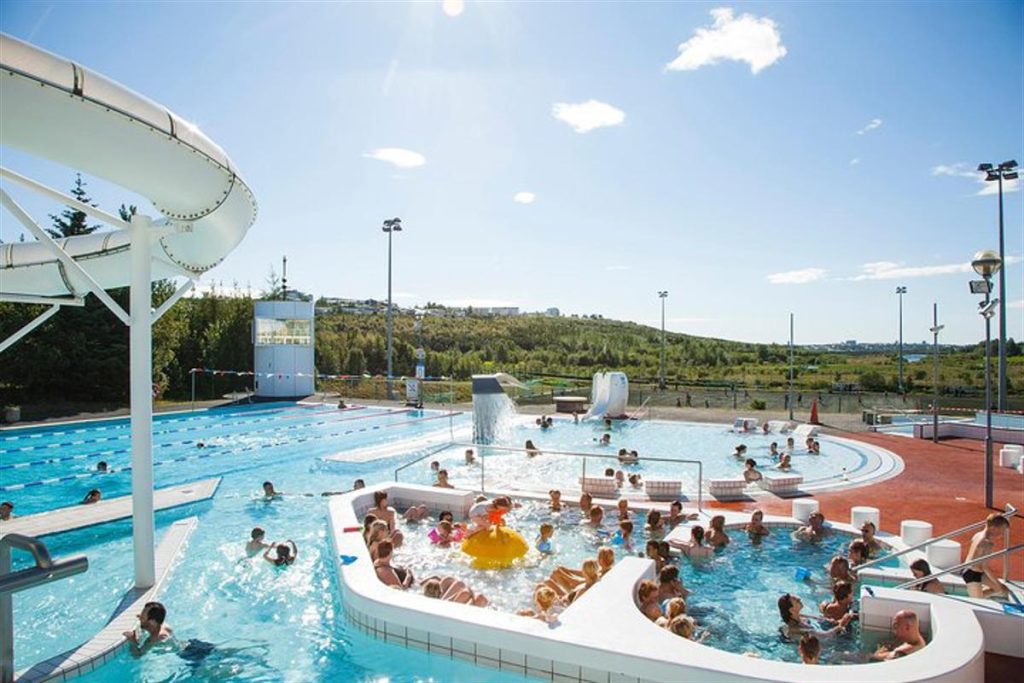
283	347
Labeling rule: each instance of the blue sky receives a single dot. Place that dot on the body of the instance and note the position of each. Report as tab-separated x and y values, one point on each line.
794	157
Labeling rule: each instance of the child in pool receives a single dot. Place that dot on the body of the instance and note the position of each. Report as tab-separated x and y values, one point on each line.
445	533
654	526
543	543
625	535
545	605
756	528
487	513
842	601
555	503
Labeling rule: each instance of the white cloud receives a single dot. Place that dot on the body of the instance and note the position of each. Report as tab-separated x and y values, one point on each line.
746	38
962	170
854	161
586	116
888	270
797	277
398	157
872	124
615	268
524	198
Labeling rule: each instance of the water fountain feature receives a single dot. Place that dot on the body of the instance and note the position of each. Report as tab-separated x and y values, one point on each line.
493	411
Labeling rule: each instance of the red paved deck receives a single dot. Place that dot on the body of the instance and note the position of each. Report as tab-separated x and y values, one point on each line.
942	483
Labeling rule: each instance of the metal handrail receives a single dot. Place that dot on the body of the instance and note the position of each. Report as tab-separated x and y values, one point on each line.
423	457
962	565
45	571
1010	511
481	447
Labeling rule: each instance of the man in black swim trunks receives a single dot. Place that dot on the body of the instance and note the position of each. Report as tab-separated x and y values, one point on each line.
980	579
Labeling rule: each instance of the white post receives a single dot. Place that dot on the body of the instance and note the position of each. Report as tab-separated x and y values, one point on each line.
141	360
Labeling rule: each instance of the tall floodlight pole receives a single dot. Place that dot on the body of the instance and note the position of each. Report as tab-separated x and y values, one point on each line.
986	264
663	294
789	398
391	226
936	328
1006	170
900	291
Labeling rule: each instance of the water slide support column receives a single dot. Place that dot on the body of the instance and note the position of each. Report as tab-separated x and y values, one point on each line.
141	363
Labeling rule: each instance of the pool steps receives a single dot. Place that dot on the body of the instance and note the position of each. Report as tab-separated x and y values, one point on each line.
107	644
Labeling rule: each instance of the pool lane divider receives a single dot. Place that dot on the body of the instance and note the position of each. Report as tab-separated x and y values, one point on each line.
216	452
122	437
206	414
168	444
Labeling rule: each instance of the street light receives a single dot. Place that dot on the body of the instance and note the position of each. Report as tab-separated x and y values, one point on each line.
391	226
663	294
935	329
1006	170
900	291
986	264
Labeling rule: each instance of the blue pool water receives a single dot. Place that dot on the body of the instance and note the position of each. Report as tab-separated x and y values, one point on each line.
266	624
713	445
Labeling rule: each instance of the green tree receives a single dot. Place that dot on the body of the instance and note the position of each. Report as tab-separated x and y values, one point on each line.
71	221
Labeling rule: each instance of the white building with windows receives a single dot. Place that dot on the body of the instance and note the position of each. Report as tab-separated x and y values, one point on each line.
283	348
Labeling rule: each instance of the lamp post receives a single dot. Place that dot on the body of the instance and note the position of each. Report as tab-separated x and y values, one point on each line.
1006	170
935	329
789	396
391	226
986	264
900	291
662	294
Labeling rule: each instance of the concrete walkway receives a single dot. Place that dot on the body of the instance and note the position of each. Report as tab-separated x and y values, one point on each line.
106	644
78	516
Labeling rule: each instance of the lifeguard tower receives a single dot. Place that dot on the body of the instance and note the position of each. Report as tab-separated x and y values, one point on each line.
283	348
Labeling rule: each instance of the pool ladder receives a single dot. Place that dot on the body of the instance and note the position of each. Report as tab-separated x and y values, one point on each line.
45	571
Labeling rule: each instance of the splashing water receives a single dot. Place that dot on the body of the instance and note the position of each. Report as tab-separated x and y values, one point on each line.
493	416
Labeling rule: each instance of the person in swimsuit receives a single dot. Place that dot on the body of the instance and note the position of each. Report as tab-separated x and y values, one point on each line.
388	514
531	450
672	608
93	496
256	543
470	458
920	569
546	606
785	463
694	548
755	528
842	601
397	577
857	553
814	530
670	585
543	543
980	579
795	624
102	467
269	492
6	510
867	534
750	472
151	622
909	640
281	554
586	502
654	526
675	515
451	589
809	648
685	627
716	536
647	599
442	480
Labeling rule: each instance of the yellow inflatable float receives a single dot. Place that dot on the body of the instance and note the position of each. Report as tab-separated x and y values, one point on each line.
495	548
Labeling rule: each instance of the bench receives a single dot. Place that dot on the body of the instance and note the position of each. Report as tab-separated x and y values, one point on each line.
600	486
789	483
663	488
569	404
727	488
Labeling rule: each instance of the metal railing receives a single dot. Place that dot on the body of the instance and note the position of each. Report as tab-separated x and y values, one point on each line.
480	448
429	454
1005	553
1009	511
45	571
638	411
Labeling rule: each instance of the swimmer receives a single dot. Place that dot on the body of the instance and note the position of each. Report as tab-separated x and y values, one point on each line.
625	535
284	554
384	512
795	624
867	534
907	631
358	484
755	528
609	471
809	443
605	439
435	467
670	584
620	478
442	480
398	577
676	516
857	553
628	457
555	503
543	422
750	473
269	492
672	608
740	453
93	496
785	462
151	622
445	533
200	444
790	445
341	404
981	581
622	508
591	575
816	448
608	423
470	458
685	627
694	548
531	450
102	467
451	589
716	536
652	551
256	544
416	513
543	543
545	605
841	603
920	569
766	428
605	560
375	535
814	530
595	518
773	450
636	481
575	417
654	527
6	510
486	513
586	502
839	570
810	649
647	599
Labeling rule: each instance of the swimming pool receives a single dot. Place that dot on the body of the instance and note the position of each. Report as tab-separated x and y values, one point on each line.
841	462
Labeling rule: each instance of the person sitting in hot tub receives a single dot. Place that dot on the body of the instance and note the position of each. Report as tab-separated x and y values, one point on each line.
755	528
595	518
647	598
867	534
750	472
654	526
445	533
531	450
694	548
605	439
773	451
716	536
486	513
841	603
543	544
636	480
391	575
555	503
785	462
795	624
546	605
815	529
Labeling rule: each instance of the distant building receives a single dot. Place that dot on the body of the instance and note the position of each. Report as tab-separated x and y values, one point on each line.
496	311
552	312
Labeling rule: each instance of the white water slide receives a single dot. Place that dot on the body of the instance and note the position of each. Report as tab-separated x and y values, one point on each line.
609	394
55	109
